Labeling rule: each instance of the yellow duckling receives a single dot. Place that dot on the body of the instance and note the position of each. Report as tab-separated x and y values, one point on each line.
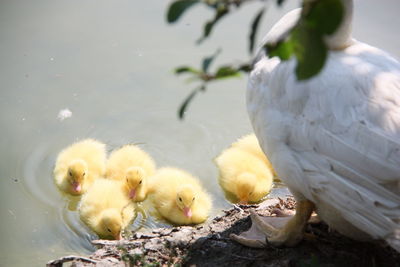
78	165
250	144
243	176
179	197
131	165
106	209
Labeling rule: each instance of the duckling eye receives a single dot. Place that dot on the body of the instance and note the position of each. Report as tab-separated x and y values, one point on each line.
83	174
180	199
108	229
193	198
140	182
70	173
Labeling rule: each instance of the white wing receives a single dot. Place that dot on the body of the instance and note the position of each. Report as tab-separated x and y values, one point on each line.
336	137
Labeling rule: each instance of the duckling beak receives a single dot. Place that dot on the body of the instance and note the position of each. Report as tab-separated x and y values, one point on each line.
118	236
187	211
132	193
76	187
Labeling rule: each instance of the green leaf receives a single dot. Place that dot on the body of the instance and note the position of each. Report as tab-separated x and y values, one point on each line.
184	69
326	16
226	71
189	98
254	27
220	13
245	68
208	60
177	8
282	49
310	51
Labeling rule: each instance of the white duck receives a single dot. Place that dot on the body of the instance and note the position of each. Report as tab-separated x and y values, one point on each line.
333	139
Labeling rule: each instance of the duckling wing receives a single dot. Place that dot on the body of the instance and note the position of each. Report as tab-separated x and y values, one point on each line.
335	138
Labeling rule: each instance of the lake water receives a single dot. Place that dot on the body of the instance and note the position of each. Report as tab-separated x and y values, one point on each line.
110	63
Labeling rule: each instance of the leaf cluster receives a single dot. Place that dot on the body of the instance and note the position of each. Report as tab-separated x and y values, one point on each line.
305	41
220	7
203	74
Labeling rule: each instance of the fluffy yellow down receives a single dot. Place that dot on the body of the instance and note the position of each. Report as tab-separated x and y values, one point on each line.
250	144
78	165
106	209
131	165
244	174
179	197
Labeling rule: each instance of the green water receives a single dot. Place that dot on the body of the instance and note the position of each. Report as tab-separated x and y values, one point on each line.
110	63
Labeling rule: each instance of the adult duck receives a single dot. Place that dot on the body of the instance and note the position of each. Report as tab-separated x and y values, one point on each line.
334	139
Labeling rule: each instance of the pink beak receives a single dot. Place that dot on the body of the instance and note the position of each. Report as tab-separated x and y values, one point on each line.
77	187
132	193
119	237
187	212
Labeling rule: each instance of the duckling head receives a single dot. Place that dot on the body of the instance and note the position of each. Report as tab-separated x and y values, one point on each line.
110	224
245	185
185	198
135	183
77	171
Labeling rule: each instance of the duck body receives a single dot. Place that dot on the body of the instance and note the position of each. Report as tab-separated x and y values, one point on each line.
106	209
179	197
244	176
131	165
335	139
78	165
